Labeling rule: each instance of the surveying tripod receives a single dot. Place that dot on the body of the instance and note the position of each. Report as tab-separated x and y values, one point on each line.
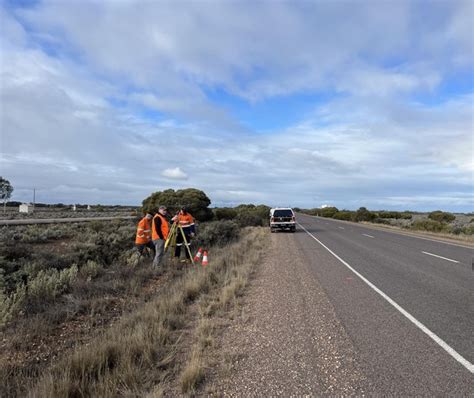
173	234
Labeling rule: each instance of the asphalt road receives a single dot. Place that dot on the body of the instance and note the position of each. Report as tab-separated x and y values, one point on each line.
405	302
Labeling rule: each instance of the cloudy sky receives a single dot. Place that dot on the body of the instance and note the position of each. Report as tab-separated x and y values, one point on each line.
348	103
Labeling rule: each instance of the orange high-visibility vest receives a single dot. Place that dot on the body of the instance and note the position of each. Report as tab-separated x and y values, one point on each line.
185	220
143	232
164	227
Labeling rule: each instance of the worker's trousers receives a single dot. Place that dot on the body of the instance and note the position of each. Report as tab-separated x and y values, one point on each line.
181	244
159	251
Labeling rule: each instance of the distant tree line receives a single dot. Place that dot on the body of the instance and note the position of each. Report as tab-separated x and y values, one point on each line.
437	221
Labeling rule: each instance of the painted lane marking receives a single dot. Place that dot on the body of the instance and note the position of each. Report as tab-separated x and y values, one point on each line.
341	227
444	258
369	236
451	351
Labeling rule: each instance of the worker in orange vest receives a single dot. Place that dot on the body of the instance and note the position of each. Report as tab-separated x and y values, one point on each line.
159	234
186	221
143	237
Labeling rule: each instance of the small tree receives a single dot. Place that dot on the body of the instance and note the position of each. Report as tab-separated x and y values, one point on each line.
195	200
6	190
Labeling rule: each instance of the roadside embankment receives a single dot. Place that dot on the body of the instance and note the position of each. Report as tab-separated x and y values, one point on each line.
158	347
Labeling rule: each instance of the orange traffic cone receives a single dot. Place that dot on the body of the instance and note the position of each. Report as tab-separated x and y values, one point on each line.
204	259
198	255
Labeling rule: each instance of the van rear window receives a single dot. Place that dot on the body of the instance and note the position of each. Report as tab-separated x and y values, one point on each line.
283	213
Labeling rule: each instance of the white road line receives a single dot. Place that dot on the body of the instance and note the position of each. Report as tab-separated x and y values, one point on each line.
444	258
369	236
341	227
451	351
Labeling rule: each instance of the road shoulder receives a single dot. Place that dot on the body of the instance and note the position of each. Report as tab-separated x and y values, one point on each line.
286	339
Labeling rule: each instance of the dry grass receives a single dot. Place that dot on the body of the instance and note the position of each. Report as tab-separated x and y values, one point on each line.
139	354
235	269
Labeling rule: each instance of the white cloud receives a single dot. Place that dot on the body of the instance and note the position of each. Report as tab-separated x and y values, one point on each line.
174	174
373	142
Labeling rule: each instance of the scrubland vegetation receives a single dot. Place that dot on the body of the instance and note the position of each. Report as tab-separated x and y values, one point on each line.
62	211
435	222
81	314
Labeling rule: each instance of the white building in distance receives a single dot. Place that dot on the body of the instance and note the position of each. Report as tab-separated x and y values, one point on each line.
26	208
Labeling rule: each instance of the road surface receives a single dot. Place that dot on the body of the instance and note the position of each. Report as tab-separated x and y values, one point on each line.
344	309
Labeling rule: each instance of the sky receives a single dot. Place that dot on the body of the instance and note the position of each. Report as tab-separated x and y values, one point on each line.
287	103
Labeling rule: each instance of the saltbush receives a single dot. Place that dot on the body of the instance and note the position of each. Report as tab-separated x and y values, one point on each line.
252	216
225	213
217	233
343	215
429	225
11	305
48	284
441	216
381	221
90	270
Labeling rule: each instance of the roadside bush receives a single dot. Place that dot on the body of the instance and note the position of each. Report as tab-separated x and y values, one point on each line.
328	212
364	215
468	230
252	216
406	215
343	215
394	214
217	233
381	221
50	283
90	270
11	305
225	213
429	225
249	220
441	216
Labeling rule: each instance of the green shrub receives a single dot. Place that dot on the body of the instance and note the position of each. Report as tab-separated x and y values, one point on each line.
343	215
468	230
11	305
429	225
225	213
392	214
406	215
90	270
252	216
381	221
217	233
441	216
364	215
329	212
249	220
50	283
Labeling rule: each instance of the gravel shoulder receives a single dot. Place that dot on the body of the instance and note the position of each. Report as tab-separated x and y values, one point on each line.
287	339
